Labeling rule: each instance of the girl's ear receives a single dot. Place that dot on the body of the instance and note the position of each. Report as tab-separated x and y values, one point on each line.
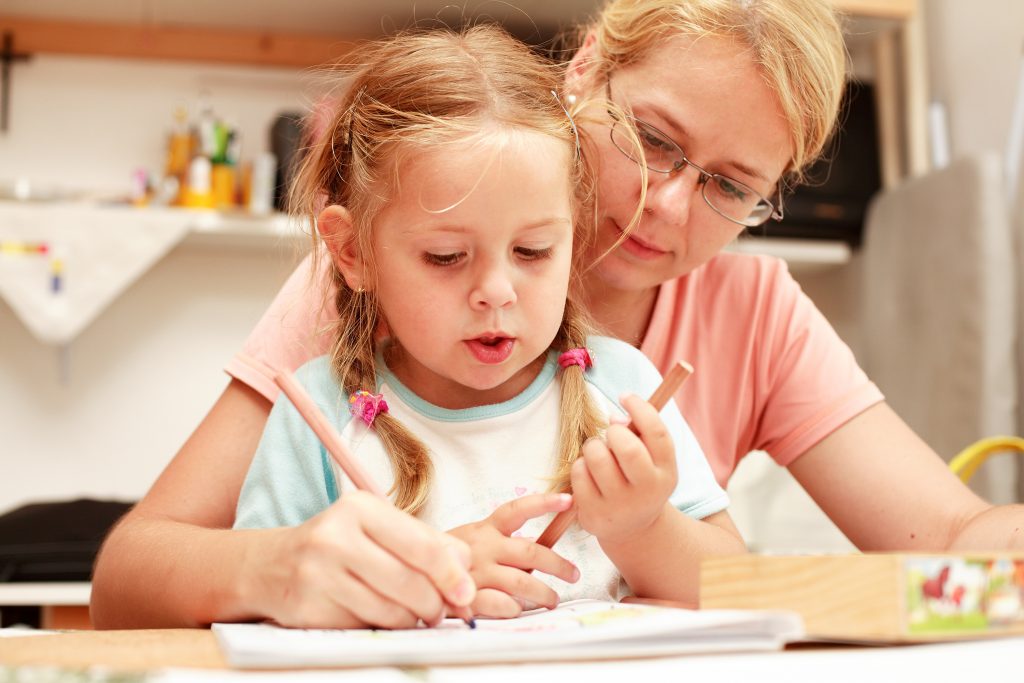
581	64
338	233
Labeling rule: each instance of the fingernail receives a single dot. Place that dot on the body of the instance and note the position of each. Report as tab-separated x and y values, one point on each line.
565	498
575	574
618	419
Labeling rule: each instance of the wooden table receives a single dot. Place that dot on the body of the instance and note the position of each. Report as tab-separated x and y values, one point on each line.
140	650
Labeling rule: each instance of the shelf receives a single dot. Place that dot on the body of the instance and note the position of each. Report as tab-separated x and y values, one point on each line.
313	35
878	9
216	229
94	252
45	593
802	256
203	226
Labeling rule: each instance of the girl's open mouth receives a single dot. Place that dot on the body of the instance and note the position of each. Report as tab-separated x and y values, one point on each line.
491	350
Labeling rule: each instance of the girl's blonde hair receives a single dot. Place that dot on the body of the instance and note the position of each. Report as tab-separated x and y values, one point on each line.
797	43
416	92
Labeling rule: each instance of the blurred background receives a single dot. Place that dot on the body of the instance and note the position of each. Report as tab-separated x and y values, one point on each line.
119	307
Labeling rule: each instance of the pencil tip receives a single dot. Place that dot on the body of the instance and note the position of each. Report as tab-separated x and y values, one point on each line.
471	623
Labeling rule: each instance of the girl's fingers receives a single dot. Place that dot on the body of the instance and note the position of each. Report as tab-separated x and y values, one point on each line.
651	429
494	603
436	555
369	606
510	516
394	580
583	486
528	556
338	599
603	468
630	455
518	584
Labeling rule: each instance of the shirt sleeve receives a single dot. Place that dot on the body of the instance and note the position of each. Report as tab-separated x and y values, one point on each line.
809	377
289	479
620	368
291	332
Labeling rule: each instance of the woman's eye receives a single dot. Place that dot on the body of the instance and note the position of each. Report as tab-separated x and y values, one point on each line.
653	141
731	189
528	254
443	259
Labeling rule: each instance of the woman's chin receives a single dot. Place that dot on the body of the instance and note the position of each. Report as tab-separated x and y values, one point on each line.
618	273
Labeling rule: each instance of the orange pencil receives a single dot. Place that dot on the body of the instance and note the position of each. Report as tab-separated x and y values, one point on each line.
335	445
673	380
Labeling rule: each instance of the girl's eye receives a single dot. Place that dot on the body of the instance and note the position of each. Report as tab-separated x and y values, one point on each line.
443	259
533	254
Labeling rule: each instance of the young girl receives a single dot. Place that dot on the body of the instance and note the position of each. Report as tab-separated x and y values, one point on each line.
461	374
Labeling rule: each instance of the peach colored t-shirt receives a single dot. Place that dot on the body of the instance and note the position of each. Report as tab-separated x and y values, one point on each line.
770	372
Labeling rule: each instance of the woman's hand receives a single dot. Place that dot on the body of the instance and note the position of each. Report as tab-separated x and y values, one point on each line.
622	483
502	565
359	563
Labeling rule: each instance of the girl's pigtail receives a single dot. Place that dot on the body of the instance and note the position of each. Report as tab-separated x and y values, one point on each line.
580	418
354	352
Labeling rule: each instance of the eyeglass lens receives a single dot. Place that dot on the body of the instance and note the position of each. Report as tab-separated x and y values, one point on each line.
732	199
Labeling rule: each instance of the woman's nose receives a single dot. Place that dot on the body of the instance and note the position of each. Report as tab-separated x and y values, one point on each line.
670	196
493	288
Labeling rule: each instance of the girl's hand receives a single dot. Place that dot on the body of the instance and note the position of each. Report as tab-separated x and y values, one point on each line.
502	565
622	484
360	563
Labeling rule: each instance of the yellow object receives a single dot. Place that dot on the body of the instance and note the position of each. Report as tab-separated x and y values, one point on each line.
223	182
967	461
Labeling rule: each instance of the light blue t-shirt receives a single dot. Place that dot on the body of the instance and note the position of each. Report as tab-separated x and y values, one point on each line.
482	457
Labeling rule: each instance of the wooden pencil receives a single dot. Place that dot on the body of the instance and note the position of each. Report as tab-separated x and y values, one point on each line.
335	445
668	387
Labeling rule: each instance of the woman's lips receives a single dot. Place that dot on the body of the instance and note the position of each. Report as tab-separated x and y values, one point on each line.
491	351
639	248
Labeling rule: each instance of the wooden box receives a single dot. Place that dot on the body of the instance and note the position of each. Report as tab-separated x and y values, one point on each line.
879	597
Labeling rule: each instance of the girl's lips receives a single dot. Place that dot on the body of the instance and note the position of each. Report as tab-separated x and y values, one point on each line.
491	351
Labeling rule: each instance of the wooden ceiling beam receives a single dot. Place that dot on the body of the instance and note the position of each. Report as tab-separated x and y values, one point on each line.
181	43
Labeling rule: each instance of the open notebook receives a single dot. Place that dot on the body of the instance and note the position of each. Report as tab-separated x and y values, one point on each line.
578	630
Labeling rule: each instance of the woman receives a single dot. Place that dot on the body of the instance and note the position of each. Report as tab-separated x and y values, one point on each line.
749	89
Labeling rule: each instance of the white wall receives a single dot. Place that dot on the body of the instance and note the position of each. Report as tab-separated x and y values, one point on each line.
83	123
144	374
141	377
974	55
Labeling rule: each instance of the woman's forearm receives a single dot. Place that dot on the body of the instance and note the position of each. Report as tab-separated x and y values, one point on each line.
995	528
663	562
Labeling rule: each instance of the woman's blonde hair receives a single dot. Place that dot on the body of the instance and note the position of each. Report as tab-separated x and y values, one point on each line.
797	43
412	93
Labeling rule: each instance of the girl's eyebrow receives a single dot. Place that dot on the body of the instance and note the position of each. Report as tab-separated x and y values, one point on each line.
459	228
680	130
543	223
462	227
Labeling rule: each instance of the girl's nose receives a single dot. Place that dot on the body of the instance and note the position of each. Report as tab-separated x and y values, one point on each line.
493	289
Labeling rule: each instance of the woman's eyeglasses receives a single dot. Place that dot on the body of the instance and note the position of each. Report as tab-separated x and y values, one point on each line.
730	198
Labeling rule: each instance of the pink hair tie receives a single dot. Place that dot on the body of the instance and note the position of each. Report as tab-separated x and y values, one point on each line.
580	357
367	406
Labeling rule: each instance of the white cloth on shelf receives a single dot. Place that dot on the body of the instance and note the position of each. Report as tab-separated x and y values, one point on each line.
102	251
